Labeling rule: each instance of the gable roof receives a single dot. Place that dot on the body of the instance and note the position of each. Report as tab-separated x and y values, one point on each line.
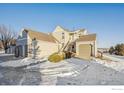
54	37
89	37
67	30
60	27
40	36
64	29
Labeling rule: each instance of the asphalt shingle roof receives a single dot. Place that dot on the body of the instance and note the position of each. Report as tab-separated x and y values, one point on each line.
89	37
40	36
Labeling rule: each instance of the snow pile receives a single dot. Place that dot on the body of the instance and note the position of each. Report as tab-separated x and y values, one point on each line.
20	62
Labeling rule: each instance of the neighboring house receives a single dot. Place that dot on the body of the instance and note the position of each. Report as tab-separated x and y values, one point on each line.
78	41
11	46
46	44
1	46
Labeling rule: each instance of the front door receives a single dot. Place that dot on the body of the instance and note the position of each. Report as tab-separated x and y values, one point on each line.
20	51
16	51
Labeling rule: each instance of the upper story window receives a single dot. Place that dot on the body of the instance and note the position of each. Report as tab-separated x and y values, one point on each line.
79	34
63	35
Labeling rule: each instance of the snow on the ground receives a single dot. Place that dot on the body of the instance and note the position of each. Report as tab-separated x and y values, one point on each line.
92	74
1	51
3	54
113	61
114	57
50	71
117	56
118	66
77	72
71	71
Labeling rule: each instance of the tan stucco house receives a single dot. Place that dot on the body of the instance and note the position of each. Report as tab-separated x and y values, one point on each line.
78	41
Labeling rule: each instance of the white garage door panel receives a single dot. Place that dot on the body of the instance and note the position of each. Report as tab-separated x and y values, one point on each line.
84	51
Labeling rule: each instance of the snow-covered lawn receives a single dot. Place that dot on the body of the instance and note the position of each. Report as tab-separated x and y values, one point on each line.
92	73
112	61
116	58
71	71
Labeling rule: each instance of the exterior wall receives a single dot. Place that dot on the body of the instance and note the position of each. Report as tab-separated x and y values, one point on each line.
44	48
58	35
94	47
78	33
11	50
22	41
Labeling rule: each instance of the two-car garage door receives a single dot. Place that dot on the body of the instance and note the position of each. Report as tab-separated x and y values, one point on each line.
84	51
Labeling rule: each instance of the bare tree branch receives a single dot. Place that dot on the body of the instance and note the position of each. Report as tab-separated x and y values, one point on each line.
7	36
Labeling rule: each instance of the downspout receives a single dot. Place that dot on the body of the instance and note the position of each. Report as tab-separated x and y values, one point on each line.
91	49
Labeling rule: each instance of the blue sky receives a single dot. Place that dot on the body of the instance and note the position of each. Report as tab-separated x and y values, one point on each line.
107	20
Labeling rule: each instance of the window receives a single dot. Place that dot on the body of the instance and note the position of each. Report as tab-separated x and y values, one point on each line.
72	46
79	34
63	35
